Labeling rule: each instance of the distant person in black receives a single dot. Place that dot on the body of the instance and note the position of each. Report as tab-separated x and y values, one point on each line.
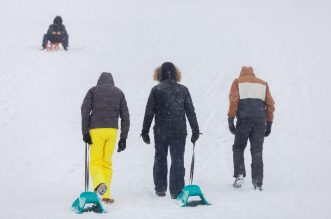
56	33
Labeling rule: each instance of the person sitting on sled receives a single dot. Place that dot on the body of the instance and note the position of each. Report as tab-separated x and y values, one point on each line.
56	33
101	109
170	103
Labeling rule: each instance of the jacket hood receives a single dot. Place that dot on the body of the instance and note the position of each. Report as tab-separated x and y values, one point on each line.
106	78
167	71
57	20
246	70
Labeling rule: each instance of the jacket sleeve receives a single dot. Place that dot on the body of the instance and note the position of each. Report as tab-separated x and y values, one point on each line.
50	29
149	112
125	117
190	113
64	31
86	109
234	99
270	105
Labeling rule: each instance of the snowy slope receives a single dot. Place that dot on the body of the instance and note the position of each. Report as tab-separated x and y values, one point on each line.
287	42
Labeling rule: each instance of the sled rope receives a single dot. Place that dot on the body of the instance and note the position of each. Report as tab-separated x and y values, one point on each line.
86	167
192	165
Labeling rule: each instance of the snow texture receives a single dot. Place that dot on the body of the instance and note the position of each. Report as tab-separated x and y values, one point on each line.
42	152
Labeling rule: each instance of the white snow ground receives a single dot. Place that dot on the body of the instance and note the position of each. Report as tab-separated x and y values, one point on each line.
42	153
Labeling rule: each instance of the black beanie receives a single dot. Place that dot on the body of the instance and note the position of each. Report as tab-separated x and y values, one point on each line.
57	20
168	70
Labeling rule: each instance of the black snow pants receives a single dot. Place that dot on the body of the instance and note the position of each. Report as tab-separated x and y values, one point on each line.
63	39
176	143
253	130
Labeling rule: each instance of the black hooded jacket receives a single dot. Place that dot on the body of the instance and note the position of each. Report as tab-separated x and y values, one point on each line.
57	27
103	105
169	102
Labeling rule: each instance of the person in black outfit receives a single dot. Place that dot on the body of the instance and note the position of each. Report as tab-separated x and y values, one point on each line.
169	102
56	33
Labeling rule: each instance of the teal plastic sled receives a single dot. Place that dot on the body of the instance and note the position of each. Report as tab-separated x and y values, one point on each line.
87	201
190	191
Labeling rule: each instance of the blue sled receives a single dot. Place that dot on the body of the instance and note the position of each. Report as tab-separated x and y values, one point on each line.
190	191
87	201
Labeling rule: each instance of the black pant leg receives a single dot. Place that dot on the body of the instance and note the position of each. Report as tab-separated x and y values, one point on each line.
45	40
65	40
256	140
243	128
160	168
177	169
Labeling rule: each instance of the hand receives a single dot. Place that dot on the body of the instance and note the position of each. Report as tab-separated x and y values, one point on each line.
87	138
268	129
195	137
232	128
121	145
146	138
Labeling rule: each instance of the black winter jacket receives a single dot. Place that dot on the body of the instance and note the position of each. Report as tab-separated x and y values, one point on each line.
103	105
57	28
169	102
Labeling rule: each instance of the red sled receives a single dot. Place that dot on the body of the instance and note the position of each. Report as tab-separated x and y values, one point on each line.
52	46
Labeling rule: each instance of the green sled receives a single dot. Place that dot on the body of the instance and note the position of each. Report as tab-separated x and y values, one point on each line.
190	191
87	201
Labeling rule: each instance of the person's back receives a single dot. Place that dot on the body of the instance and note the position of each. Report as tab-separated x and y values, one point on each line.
170	107
107	103
250	97
169	102
101	109
253	106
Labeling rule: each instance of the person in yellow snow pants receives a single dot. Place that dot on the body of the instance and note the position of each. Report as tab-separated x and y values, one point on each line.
101	153
102	107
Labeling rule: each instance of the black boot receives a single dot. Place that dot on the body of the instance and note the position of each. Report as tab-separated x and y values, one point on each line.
160	194
257	186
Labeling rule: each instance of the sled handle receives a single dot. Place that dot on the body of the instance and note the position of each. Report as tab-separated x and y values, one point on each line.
192	165
87	173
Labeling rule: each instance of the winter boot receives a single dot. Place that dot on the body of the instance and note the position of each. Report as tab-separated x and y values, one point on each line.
108	201
160	194
173	196
100	189
239	181
257	186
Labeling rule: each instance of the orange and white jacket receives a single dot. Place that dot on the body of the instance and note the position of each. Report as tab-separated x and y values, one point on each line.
250	97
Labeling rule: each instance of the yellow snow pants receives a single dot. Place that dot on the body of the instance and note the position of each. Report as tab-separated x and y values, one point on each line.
101	152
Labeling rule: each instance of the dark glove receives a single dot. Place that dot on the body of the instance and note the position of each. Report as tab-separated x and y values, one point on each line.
146	138
232	128
195	137
121	145
268	129
87	138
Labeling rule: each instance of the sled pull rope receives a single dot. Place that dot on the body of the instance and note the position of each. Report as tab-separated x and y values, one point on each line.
192	165
87	174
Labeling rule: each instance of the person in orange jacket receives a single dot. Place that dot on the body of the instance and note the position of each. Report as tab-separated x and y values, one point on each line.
251	102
